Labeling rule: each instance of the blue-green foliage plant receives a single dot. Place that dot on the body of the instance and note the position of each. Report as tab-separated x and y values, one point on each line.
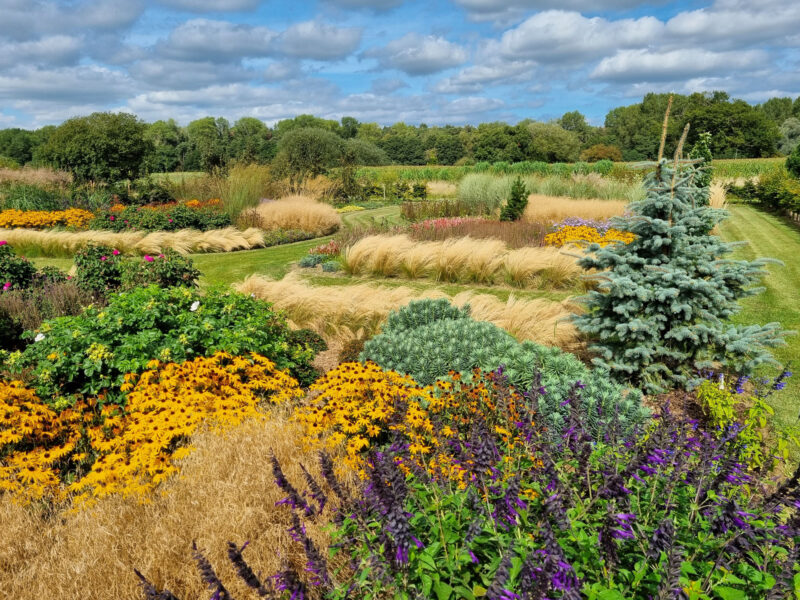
662	307
428	339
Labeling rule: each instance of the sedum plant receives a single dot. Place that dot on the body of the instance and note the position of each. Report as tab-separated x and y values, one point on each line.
661	311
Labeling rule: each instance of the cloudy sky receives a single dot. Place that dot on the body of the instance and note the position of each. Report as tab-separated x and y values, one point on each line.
432	61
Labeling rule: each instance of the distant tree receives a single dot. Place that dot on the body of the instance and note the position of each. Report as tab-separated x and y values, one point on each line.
498	141
796	107
601	152
305	122
553	143
793	162
307	152
790	135
165	138
209	137
251	141
362	152
369	131
448	146
403	145
576	123
17	144
349	127
739	129
777	110
101	147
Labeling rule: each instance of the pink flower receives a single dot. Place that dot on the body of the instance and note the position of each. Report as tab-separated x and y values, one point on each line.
3	242
161	256
103	258
7	286
112	217
115	252
170	220
69	276
148	258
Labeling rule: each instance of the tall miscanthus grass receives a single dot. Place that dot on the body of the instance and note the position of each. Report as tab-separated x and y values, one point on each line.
460	260
340	313
295	212
32	242
554	209
225	493
41	176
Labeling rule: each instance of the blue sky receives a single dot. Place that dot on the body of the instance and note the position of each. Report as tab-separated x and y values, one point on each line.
434	61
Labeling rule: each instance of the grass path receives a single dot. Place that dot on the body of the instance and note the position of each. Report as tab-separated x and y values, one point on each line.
771	236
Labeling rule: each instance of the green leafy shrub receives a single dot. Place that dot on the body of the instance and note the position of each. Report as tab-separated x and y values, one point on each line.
98	269
91	353
172	218
16	272
429	338
793	162
517	201
167	269
331	266
351	350
312	260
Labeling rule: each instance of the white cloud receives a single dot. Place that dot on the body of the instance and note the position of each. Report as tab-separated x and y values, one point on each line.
507	10
213	5
416	54
26	19
319	41
475	77
675	65
164	73
569	37
67	85
382	86
51	50
217	41
282	70
373	4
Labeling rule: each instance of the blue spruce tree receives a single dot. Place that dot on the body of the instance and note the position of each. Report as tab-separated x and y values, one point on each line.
661	309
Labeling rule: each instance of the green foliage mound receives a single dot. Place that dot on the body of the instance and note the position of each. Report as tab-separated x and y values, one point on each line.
92	352
16	272
429	338
662	308
793	162
702	150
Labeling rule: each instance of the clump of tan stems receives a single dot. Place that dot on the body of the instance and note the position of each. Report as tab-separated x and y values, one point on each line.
339	313
441	189
66	243
226	492
40	177
553	209
462	260
295	212
717	195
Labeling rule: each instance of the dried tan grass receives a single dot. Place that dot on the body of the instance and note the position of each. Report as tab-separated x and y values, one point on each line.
459	260
296	212
340	313
441	189
718	196
226	492
41	176
552	209
185	241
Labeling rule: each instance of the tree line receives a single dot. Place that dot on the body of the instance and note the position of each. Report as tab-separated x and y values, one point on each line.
106	146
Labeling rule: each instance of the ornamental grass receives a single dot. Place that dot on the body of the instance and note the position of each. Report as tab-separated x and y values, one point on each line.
74	218
130	450
552	209
295	212
66	243
343	312
460	260
226	492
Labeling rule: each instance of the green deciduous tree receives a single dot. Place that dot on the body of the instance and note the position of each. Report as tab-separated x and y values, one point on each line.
209	139
101	147
553	143
662	309
308	151
790	135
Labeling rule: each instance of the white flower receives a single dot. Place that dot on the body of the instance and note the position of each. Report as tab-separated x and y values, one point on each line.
39	337
195	305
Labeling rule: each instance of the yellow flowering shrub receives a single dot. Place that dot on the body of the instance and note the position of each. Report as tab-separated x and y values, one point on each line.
35	442
572	234
76	218
361	405
349	208
92	453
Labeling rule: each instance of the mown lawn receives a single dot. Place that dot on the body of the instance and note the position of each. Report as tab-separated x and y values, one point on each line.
771	236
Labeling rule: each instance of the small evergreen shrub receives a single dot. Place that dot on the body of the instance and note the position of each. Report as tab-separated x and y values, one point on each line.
312	260
704	171
517	201
331	266
91	353
661	311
